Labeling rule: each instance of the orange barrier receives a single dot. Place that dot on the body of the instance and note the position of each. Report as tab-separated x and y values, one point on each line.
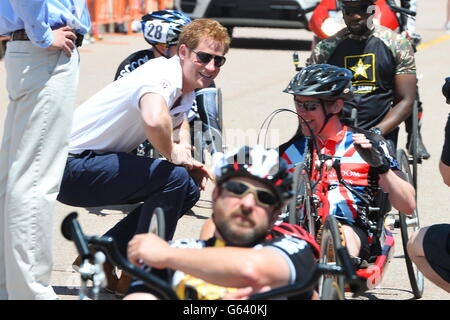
109	12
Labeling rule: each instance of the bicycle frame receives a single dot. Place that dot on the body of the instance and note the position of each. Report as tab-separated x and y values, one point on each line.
381	234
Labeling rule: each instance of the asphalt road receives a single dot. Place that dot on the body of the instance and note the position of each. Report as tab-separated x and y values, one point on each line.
259	66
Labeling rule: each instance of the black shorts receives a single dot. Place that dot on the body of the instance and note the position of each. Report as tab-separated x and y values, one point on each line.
436	245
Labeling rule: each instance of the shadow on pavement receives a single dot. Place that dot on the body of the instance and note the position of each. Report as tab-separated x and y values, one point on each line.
73	292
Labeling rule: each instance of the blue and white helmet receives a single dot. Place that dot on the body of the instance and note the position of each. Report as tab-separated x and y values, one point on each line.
163	26
258	163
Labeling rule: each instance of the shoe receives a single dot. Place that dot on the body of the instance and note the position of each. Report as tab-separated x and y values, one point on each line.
422	151
122	285
110	273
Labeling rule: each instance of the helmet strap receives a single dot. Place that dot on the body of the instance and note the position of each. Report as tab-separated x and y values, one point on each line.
327	116
166	54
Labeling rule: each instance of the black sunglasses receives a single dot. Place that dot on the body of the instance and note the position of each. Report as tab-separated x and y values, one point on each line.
360	9
264	197
308	105
205	58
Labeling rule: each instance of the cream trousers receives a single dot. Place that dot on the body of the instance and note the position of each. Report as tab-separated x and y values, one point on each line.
42	87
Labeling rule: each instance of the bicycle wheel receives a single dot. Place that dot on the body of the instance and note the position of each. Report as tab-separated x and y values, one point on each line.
331	238
300	211
414	140
158	223
409	224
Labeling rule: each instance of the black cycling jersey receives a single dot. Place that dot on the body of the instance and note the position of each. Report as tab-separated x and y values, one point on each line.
298	253
374	59
445	156
133	61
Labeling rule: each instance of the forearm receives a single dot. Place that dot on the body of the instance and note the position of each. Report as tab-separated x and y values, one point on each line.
160	137
232	267
396	115
157	123
445	172
401	193
444	163
182	134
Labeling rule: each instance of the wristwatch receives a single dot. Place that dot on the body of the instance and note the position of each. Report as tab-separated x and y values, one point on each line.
376	130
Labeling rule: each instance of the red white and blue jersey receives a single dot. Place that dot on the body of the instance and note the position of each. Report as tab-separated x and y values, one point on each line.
294	152
355	171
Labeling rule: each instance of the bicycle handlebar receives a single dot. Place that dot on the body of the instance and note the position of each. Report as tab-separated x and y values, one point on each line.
401	10
72	231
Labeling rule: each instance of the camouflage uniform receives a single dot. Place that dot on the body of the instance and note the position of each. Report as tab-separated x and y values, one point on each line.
375	58
399	46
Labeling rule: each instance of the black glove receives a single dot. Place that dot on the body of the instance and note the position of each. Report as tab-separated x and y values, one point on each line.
378	156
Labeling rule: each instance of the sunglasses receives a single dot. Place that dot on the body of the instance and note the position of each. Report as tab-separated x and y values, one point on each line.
308	105
240	189
205	58
351	10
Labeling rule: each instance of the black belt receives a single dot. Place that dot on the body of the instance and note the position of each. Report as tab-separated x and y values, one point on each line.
79	155
21	35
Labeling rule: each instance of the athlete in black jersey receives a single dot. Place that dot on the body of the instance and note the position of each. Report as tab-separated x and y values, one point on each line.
383	66
249	251
133	61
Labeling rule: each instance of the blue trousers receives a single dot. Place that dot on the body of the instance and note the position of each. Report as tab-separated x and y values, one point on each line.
92	180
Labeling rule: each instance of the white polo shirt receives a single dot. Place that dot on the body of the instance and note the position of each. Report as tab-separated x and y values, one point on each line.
111	119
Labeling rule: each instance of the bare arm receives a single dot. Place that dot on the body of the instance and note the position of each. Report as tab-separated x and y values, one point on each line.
404	96
182	134
224	266
401	193
444	162
445	172
158	129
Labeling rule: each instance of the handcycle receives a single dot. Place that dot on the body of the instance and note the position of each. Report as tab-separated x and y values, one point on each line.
309	208
72	231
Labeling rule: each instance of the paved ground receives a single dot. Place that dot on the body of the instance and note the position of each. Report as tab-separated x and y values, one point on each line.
259	66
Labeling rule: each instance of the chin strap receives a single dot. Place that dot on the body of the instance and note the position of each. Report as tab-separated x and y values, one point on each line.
166	55
327	116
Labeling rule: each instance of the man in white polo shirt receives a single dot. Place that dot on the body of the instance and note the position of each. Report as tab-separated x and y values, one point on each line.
150	103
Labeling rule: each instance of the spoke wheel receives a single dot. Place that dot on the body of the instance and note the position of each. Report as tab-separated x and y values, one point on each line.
157	223
409	224
331	238
300	209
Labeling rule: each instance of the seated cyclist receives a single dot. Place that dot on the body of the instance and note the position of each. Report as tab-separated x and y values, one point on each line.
319	93
161	29
247	251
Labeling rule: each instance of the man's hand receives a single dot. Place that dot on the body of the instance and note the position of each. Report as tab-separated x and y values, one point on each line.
182	155
200	173
63	39
148	248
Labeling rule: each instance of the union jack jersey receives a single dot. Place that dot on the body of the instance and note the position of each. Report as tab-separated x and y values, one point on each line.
355	171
